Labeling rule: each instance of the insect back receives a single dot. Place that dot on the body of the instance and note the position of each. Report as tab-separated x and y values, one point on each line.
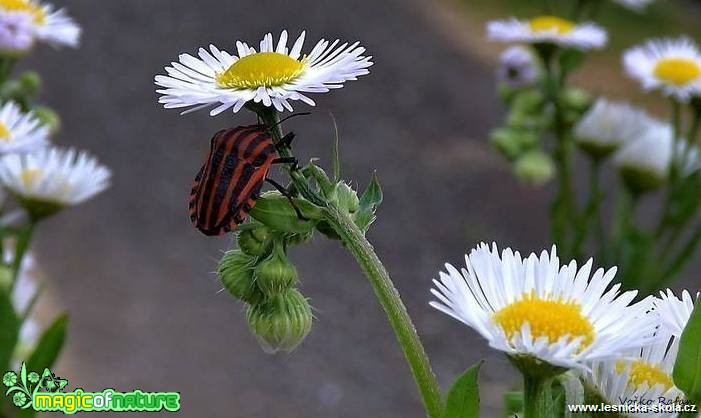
229	183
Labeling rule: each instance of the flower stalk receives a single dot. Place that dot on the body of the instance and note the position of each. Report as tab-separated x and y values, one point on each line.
387	294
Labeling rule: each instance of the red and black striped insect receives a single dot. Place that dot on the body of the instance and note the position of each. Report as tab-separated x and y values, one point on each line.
229	183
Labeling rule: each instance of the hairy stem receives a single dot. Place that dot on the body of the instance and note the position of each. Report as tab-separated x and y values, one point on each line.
388	296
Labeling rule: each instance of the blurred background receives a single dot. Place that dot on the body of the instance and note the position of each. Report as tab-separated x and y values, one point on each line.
138	280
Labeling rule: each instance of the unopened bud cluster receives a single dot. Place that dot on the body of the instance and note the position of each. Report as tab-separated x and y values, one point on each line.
530	116
260	274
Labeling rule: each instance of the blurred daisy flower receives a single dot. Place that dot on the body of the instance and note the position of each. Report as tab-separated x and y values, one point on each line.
20	132
645	373
25	21
16	32
533	308
53	178
670	65
645	162
517	67
609	124
637	5
548	29
273	75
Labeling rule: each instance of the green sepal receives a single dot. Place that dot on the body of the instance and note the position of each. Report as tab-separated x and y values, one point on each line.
316	173
369	202
463	398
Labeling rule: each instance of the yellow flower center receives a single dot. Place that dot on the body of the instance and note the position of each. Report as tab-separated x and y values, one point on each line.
551	23
267	69
25	6
553	319
30	176
4	133
642	372
678	71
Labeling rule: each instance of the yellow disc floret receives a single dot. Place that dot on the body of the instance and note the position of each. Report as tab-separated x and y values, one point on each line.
547	318
642	372
30	176
25	6
551	23
678	71
264	69
4	133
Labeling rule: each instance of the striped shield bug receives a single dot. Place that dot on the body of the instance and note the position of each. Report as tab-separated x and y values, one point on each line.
228	184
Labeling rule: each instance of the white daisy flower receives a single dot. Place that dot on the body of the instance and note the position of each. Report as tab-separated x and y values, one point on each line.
641	378
637	5
20	132
670	65
608	124
535	308
49	24
517	67
645	163
52	178
548	29
274	75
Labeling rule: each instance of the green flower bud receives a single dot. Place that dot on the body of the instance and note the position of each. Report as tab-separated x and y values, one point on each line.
30	83
281	322
576	99
506	93
249	244
236	273
261	233
48	117
528	102
276	211
39	209
534	167
275	274
346	198
506	142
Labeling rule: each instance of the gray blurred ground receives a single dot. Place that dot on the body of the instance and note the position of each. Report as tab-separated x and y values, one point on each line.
136	277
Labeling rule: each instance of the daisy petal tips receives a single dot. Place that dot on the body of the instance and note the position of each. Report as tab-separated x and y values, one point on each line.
534	307
274	75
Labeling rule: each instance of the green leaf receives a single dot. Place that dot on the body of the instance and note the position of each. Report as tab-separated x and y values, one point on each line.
49	346
463	398
687	368
278	213
9	331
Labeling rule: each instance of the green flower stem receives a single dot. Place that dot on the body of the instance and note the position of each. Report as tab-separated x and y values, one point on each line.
7	64
591	213
674	167
22	241
536	391
391	302
387	294
563	208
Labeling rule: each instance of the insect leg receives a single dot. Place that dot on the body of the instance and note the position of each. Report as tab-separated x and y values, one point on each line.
285	193
294	163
